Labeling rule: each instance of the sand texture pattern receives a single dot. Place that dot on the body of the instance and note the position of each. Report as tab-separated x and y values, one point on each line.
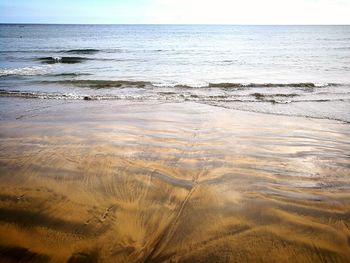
147	182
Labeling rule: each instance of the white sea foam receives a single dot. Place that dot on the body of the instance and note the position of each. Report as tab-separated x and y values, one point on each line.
25	71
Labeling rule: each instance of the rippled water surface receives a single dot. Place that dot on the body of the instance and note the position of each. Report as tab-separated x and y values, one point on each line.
226	66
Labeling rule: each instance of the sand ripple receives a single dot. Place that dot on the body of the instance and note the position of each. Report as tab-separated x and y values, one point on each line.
136	182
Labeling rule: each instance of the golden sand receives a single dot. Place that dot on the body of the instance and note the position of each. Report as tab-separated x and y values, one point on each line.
147	182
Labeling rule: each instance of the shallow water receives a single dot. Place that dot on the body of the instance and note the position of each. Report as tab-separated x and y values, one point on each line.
183	63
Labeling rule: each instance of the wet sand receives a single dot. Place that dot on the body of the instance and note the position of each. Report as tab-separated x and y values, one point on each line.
121	181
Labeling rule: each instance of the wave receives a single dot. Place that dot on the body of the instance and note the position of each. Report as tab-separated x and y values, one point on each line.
82	51
77	51
265	97
99	84
75	60
92	51
167	95
271	105
24	71
343	119
269	85
55	96
38	70
33	95
65	60
95	83
67	96
68	74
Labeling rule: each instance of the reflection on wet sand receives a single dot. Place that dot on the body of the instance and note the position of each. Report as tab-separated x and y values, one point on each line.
142	182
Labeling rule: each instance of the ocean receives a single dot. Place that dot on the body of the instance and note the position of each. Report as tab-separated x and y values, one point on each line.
284	70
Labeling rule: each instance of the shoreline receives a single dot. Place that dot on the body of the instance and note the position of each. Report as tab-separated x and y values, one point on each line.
146	181
118	100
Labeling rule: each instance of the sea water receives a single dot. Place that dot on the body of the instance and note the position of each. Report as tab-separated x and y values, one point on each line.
288	70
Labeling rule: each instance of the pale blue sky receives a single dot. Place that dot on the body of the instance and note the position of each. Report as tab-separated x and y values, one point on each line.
176	11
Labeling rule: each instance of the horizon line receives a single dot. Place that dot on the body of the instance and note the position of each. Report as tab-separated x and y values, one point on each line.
168	24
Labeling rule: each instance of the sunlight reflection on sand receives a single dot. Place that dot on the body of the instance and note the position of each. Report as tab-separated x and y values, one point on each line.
142	182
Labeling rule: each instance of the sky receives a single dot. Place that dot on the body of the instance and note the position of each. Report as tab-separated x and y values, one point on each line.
176	11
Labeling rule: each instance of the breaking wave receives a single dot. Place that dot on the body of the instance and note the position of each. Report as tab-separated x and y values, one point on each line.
24	71
166	95
93	83
65	60
269	85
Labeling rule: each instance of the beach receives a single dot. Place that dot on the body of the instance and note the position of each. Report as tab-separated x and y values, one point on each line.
174	143
157	181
